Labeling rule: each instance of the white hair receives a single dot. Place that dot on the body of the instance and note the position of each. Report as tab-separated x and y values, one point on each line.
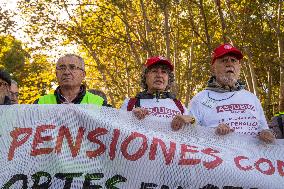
14	82
81	60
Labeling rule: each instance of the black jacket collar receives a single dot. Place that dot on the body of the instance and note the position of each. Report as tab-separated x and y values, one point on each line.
60	99
158	95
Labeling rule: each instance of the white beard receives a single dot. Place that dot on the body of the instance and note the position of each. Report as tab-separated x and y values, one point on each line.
227	81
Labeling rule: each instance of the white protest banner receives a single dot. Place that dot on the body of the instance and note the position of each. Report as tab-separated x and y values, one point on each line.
83	146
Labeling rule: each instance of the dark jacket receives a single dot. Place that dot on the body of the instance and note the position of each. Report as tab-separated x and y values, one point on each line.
7	101
276	127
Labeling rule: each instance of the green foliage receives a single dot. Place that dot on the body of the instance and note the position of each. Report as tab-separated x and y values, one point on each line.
38	80
12	55
33	74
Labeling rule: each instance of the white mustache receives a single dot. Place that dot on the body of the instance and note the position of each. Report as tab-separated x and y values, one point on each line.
230	69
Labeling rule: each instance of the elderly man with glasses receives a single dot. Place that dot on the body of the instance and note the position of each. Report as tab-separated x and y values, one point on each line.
5	83
225	104
70	72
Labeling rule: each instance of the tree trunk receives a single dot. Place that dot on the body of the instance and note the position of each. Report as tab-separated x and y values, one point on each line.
177	61
223	23
280	56
206	30
189	75
268	107
252	72
147	29
133	52
281	92
277	29
167	32
247	77
96	58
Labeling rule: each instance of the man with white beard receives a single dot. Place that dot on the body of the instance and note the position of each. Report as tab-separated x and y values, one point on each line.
225	104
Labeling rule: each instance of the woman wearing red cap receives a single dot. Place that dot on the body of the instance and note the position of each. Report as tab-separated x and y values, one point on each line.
225	104
156	99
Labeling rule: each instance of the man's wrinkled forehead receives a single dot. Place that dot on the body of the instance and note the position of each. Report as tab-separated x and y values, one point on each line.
68	60
229	55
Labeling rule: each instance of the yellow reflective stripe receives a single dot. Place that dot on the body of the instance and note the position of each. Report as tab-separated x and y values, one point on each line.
47	99
279	113
89	98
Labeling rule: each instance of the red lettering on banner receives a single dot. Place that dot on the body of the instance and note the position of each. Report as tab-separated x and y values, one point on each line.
269	171
184	149
237	162
133	147
212	164
280	166
168	155
75	148
162	112
38	139
92	136
220	109
17	143
113	144
140	152
235	108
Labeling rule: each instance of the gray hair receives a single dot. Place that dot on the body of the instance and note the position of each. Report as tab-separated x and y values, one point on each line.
81	60
14	82
146	70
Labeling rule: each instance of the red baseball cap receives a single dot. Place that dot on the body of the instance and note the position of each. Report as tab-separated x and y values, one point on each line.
158	59
226	49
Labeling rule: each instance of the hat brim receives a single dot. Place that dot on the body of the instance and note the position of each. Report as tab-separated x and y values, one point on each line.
165	62
233	52
168	64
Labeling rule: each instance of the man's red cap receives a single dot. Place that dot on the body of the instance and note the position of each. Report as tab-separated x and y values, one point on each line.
224	50
158	59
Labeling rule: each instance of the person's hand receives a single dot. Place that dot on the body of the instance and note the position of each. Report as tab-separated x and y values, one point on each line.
179	120
140	113
266	136
223	129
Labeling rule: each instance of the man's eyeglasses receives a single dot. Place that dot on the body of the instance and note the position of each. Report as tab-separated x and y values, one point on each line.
71	67
229	59
3	84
